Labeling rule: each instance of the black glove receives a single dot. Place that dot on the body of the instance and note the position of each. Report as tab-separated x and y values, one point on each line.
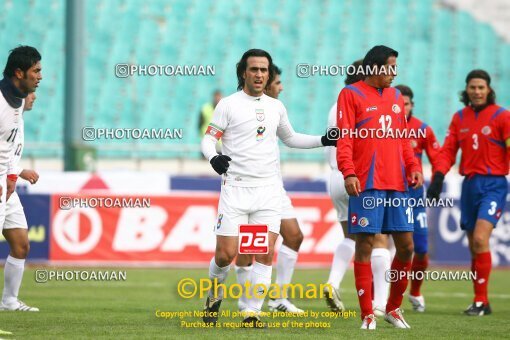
328	142
436	186
220	163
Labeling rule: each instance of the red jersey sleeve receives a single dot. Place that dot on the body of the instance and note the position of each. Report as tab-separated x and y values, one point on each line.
432	147
504	125
446	157
346	121
410	161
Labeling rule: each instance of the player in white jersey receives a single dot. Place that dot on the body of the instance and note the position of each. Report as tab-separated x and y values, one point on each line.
289	229
22	75
249	123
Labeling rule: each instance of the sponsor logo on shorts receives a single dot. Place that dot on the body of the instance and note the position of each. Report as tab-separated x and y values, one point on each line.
253	239
354	219
363	222
498	214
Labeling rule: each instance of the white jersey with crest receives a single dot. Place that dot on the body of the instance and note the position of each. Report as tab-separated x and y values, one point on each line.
249	128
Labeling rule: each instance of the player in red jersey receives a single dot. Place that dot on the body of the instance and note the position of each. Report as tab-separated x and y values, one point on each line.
375	169
425	141
482	131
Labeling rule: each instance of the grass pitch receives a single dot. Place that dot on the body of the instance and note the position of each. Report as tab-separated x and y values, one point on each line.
127	310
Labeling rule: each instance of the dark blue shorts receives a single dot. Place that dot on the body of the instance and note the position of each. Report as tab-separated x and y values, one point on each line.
482	197
419	211
420	235
366	216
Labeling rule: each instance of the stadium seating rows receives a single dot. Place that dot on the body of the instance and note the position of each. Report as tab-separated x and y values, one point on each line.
437	48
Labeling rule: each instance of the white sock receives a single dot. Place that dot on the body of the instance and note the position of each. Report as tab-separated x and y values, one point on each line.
260	274
13	274
219	273
341	260
243	273
381	262
285	264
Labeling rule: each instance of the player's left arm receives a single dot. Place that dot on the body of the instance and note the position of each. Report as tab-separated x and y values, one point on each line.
292	139
411	164
504	123
13	169
432	147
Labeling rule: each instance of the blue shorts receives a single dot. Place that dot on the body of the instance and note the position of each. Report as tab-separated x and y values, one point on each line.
482	197
367	217
420	235
419	211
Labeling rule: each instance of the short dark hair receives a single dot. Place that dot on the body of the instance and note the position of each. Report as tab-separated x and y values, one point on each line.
356	76
479	74
243	63
275	70
378	55
405	91
22	57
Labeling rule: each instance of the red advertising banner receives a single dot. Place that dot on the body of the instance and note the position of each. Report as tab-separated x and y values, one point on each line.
174	229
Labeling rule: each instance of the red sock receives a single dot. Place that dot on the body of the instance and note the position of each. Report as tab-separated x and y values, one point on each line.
398	288
482	266
418	266
363	278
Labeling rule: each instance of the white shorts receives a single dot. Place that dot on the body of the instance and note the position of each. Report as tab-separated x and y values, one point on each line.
287	207
338	194
15	215
249	205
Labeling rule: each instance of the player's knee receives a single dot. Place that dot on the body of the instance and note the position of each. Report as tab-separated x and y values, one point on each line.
294	240
405	250
224	257
20	251
480	243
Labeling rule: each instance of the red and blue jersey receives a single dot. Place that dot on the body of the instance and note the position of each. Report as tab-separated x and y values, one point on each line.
482	138
425	141
379	163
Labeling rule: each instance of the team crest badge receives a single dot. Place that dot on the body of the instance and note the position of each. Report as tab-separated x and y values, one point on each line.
260	114
395	108
363	222
486	130
414	144
260	132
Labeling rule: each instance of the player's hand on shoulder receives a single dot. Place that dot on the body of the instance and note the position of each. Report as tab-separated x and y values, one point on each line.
416	180
220	163
352	186
29	175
